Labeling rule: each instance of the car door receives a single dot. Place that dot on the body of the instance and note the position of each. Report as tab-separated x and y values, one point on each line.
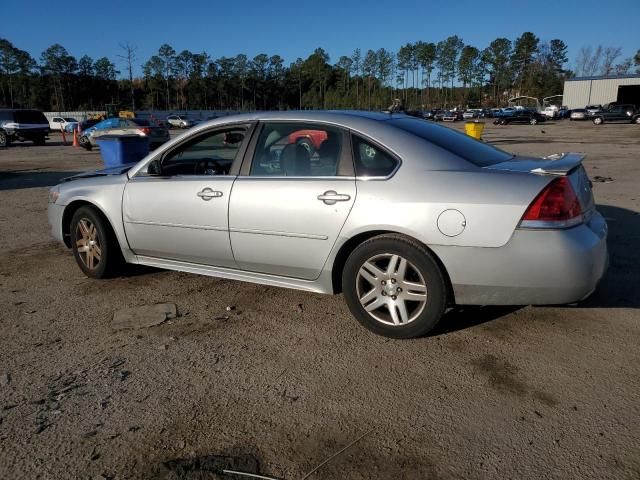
177	207
105	127
292	198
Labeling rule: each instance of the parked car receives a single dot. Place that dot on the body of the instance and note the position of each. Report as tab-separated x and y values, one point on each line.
617	113
578	114
430	114
521	116
593	109
564	112
449	220
83	125
472	113
551	111
124	126
19	125
179	121
57	124
439	115
452	116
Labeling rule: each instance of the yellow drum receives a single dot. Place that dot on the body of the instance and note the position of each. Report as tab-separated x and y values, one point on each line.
474	129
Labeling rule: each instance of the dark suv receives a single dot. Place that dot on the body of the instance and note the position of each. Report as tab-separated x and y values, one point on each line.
617	113
22	125
521	116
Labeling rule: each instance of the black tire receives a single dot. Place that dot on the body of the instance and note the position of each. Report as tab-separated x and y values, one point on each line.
420	263
4	139
637	120
85	142
39	141
598	121
533	121
503	122
110	256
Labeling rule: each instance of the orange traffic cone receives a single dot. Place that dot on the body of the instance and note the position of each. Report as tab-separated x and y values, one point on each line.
75	138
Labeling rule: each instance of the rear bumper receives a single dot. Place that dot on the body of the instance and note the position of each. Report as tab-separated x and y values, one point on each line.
536	267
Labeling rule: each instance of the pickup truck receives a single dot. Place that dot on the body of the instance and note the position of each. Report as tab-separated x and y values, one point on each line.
617	113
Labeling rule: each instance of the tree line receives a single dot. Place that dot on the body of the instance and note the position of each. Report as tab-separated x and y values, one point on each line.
423	74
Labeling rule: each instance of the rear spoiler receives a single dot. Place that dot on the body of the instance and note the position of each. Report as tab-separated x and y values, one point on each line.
557	164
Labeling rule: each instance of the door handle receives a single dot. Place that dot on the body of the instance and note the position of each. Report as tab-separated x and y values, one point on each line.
207	194
330	197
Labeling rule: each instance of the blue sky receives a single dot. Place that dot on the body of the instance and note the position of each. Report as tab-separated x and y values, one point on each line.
295	28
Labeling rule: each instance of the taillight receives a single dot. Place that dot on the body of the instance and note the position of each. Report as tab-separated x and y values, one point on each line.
144	131
557	206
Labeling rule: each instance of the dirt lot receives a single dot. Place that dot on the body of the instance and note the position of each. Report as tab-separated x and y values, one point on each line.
286	379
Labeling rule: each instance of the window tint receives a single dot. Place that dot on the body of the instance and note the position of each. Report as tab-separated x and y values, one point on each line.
6	115
209	154
370	160
297	150
465	147
30	116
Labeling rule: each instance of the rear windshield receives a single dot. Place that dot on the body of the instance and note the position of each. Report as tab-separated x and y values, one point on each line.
29	116
471	150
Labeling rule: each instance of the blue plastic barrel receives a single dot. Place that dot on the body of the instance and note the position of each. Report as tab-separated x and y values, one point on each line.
120	149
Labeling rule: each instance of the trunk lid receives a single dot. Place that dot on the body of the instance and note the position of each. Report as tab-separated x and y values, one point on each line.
557	164
561	164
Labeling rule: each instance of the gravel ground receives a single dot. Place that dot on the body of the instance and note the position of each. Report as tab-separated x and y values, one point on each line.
286	379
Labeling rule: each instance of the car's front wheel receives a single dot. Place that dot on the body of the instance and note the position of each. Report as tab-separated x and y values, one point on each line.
4	139
94	245
533	121
394	287
637	120
597	121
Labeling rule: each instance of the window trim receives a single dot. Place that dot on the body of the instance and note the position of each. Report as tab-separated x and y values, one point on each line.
381	147
345	166
250	128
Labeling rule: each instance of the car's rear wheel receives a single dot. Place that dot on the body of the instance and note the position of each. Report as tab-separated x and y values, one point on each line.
4	140
394	287
637	120
533	121
597	121
94	245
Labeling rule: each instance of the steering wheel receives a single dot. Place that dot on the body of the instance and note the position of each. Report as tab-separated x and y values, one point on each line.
208	166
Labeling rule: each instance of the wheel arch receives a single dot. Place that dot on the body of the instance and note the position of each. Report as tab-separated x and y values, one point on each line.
71	209
352	243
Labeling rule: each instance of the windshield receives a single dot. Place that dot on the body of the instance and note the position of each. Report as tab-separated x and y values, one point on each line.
471	150
140	122
69	119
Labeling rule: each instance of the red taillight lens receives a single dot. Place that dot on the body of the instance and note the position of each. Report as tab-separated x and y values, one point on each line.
144	131
558	202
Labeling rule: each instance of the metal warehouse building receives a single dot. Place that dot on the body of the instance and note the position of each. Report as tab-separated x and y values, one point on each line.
582	91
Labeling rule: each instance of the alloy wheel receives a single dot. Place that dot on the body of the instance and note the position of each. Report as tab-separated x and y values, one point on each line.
88	243
391	289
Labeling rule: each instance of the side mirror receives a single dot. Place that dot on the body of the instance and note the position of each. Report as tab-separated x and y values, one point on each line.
154	168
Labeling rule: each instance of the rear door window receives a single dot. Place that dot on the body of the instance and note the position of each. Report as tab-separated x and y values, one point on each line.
371	160
297	150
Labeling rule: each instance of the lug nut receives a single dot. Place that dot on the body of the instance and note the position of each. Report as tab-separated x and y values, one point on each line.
393	297
384	293
399	290
393	280
384	282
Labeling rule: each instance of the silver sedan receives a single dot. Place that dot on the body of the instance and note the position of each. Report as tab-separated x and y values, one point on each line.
405	217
